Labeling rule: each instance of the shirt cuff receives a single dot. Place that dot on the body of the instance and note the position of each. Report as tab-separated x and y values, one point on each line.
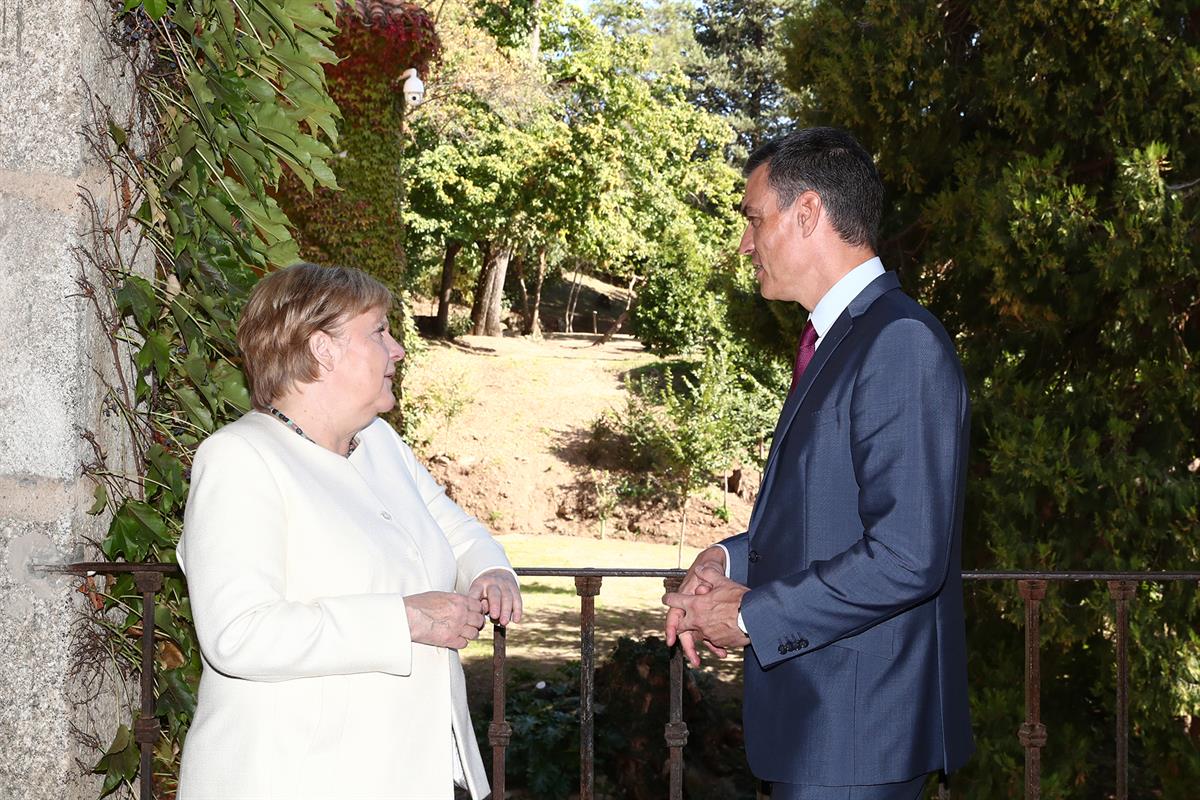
742	624
725	550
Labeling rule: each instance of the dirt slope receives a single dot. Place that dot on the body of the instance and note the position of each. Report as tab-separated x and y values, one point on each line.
508	421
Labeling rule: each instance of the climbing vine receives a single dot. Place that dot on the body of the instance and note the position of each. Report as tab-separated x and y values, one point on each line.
230	96
360	225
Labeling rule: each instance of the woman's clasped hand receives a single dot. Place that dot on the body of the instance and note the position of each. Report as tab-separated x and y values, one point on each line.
446	619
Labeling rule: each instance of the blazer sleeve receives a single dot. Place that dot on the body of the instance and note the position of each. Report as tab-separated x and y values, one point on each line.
475	551
737	556
907	419
233	551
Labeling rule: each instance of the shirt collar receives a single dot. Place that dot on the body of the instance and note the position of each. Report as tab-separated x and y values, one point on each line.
842	293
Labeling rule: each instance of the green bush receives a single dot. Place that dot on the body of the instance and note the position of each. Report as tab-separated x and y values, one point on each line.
631	706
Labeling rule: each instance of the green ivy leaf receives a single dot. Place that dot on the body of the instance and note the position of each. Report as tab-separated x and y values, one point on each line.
117	134
196	369
156	353
126	537
136	297
231	386
155	8
100	495
195	408
120	761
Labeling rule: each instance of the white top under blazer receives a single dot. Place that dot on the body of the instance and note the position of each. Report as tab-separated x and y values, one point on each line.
297	561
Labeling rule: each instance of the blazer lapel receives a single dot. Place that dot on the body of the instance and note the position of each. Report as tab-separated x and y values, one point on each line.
833	337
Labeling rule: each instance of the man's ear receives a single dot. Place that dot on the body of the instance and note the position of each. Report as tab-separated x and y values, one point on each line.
807	209
323	349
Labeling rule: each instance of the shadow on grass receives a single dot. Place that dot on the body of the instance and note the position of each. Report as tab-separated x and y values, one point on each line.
532	587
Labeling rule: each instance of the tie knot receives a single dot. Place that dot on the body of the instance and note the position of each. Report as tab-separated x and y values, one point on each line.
808	337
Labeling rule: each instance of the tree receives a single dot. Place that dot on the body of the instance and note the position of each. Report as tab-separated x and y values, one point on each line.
601	160
1042	168
739	73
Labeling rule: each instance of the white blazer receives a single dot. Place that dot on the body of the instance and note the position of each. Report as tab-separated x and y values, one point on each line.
298	561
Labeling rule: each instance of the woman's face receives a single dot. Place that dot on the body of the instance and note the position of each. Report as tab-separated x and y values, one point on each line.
366	362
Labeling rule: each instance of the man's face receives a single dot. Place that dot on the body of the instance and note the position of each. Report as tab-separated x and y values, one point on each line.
774	241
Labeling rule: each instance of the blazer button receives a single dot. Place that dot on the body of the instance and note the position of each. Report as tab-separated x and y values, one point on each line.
783	650
803	643
753	556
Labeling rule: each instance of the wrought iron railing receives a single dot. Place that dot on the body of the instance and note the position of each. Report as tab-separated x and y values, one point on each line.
1122	587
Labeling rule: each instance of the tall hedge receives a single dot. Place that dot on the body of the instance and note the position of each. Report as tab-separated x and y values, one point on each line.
1043	167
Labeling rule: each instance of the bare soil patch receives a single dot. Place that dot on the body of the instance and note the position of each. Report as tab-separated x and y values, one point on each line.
507	434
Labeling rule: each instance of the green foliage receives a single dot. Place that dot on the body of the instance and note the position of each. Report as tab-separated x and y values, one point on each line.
678	312
1041	162
597	160
360	225
544	752
435	406
631	710
738	74
236	98
683	427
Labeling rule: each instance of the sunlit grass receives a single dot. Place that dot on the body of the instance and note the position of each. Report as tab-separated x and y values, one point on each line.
550	630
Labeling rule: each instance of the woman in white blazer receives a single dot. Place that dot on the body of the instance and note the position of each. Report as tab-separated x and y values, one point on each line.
331	579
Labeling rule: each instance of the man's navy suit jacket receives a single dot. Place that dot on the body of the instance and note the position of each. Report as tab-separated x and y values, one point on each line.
856	672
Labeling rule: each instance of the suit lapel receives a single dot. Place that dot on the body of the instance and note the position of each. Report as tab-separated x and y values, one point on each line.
833	337
791	407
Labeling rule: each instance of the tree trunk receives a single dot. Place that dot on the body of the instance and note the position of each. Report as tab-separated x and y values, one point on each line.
479	304
572	299
535	320
442	327
518	265
615	328
489	297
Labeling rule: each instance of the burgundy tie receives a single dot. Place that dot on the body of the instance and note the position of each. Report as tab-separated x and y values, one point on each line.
804	353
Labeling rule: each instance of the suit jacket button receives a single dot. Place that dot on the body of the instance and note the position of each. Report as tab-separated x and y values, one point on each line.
753	556
803	643
783	649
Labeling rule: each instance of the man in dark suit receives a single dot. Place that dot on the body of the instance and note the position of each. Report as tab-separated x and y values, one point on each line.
846	589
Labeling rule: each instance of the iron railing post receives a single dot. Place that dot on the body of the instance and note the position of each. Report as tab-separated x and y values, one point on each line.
676	732
145	727
499	731
1032	732
587	587
1122	592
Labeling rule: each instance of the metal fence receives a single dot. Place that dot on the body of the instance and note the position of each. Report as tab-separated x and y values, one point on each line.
1031	586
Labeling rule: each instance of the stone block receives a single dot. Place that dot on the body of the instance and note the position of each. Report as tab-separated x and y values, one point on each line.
48	697
40	387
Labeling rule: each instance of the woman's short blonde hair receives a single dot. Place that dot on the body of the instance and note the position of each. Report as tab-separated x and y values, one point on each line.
286	308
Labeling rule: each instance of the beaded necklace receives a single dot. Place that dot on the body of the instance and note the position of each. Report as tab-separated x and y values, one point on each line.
286	420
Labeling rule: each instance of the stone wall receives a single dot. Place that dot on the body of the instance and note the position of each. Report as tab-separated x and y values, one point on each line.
56	67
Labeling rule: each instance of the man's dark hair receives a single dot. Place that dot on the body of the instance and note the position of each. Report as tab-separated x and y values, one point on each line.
830	162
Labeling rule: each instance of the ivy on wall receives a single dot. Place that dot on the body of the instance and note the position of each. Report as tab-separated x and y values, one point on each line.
232	96
360	226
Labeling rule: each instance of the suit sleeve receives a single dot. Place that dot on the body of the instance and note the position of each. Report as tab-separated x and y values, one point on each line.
233	551
906	418
475	551
737	556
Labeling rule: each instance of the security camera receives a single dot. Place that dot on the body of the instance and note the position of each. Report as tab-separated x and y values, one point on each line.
414	88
